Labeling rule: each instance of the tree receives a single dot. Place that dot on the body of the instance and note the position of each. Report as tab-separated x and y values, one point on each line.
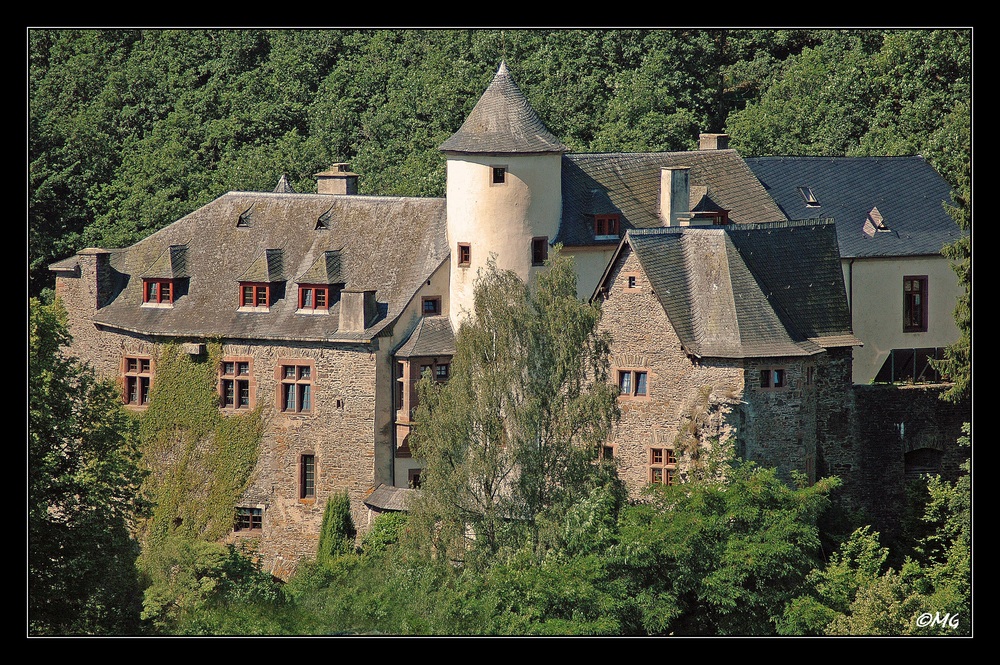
720	555
512	436
931	593
83	492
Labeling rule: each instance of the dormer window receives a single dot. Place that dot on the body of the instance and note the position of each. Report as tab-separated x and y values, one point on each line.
314	297
256	295
809	197
606	227
158	291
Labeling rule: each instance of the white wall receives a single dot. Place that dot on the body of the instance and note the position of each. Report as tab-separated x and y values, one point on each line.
875	291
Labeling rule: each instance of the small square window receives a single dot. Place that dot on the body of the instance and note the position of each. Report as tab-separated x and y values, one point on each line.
499	175
773	378
249	519
606	226
633	383
413	478
441	372
431	306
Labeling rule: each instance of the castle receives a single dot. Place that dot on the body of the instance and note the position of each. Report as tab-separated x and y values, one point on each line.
728	317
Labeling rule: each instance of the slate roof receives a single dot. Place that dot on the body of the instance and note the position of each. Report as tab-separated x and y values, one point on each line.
386	497
503	122
432	336
630	183
907	192
361	248
745	291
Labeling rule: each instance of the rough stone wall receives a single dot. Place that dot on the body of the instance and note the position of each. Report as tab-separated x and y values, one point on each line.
895	420
780	428
340	431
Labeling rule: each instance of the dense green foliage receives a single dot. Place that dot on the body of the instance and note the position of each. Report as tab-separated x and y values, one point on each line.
855	593
128	130
199	463
83	492
508	443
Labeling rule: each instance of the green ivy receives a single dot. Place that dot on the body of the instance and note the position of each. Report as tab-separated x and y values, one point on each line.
199	460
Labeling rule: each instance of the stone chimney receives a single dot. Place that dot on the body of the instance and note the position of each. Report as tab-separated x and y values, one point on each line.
713	141
337	180
675	195
358	310
97	279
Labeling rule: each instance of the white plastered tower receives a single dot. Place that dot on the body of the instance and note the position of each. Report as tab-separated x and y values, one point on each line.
504	191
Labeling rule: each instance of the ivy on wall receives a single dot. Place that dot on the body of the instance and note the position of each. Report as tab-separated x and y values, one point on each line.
200	460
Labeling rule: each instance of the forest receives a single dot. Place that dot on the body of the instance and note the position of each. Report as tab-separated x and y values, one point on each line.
130	129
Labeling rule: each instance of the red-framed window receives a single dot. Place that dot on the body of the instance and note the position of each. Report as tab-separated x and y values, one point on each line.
915	303
633	383
159	291
314	297
235	384
307	477
255	294
662	466
295	379
606	225
137	378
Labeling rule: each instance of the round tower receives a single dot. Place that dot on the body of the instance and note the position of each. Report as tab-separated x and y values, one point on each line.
504	191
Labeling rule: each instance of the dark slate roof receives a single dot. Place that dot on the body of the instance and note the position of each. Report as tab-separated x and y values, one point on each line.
171	264
631	183
908	193
385	497
503	122
744	291
432	336
362	248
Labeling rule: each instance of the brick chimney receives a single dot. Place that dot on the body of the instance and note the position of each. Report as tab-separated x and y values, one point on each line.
358	310
338	179
675	195
713	141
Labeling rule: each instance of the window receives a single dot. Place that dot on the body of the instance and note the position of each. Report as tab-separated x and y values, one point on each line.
464	254
772	378
313	297
138	375
915	304
307	476
296	388
606	452
234	384
249	519
662	465
632	383
606	226
539	250
809	197
431	305
158	291
810	375
499	175
255	295
413	478
631	280
441	372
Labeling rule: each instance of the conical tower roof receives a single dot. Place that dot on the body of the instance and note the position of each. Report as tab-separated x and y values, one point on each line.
503	122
